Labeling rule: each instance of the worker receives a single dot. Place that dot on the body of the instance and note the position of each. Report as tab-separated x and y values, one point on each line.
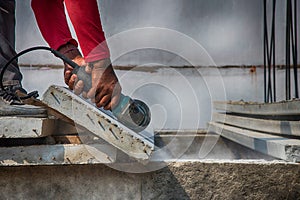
85	18
10	103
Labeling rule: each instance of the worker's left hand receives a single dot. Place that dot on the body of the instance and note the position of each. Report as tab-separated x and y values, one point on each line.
71	79
71	51
106	90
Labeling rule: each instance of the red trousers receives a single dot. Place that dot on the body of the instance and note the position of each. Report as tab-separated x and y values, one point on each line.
85	18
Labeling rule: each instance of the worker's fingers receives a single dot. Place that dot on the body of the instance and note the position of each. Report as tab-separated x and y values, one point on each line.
101	94
104	101
84	94
108	106
114	101
78	87
67	73
115	97
91	93
67	76
108	98
72	81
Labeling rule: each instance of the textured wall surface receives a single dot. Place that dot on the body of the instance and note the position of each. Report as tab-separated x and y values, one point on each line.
177	181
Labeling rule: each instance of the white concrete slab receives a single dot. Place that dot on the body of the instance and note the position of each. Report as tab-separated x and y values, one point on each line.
25	127
99	123
280	127
279	108
56	155
277	146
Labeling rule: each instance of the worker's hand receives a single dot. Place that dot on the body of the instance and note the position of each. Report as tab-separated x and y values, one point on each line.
72	52
71	79
106	90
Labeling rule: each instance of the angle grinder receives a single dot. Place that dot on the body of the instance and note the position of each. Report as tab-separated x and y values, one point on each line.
133	113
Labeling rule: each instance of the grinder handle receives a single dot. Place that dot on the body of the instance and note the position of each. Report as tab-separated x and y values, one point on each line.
85	77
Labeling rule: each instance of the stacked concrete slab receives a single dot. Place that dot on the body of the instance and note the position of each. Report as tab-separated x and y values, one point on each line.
272	129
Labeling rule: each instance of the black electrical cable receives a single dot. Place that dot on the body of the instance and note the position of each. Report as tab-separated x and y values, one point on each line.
265	50
288	87
295	51
273	41
269	56
56	53
292	36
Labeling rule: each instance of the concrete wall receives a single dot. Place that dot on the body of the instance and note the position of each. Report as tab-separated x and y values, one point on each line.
231	30
177	181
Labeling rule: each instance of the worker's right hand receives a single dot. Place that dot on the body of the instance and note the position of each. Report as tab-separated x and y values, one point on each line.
106	89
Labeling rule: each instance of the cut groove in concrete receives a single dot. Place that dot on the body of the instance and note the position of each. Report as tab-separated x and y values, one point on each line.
277	146
280	127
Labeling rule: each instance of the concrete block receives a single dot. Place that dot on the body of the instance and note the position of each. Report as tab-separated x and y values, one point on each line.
277	146
60	154
24	127
99	123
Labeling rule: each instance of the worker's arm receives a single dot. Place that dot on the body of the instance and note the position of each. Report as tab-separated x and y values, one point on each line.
85	18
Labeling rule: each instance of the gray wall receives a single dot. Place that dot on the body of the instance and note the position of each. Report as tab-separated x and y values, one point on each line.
231	30
177	181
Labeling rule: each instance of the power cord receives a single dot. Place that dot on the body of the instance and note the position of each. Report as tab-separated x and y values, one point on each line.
7	94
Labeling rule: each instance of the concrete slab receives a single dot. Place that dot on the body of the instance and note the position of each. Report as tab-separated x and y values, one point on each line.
25	127
281	127
172	147
85	114
277	146
60	154
277	109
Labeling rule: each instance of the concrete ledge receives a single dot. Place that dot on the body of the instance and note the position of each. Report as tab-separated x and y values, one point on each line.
26	127
173	148
55	155
277	109
280	127
187	180
277	146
